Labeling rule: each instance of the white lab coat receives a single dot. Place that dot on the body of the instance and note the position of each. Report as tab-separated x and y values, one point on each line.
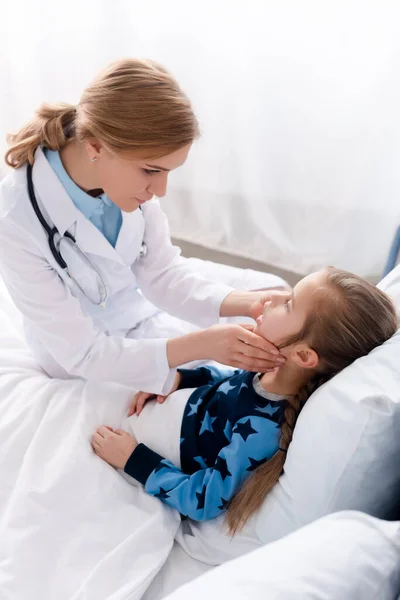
68	334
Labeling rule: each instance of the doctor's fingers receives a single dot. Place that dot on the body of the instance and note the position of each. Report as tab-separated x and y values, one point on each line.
259	347
134	405
144	396
247	363
254	352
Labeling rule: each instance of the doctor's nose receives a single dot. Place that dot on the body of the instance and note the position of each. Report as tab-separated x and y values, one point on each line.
158	187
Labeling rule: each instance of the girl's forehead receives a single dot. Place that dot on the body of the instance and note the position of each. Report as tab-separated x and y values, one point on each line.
307	287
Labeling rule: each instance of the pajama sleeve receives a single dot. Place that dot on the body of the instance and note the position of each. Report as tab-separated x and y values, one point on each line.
193	378
204	494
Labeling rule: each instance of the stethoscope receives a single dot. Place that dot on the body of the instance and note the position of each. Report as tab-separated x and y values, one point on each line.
92	287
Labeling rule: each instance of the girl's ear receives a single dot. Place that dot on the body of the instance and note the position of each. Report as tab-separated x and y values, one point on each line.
304	356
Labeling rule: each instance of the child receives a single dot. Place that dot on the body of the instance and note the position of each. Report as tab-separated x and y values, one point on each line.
237	427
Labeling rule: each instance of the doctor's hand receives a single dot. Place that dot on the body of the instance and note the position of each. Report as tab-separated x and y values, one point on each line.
257	303
234	345
113	445
140	399
238	346
247	304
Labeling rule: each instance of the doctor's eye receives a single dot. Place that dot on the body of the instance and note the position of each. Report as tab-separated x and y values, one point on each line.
150	171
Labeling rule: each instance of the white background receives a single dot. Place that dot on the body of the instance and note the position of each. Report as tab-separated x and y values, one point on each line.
299	104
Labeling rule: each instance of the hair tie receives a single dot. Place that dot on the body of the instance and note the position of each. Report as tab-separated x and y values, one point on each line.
282	450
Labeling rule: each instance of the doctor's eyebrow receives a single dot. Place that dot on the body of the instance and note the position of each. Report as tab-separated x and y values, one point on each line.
158	168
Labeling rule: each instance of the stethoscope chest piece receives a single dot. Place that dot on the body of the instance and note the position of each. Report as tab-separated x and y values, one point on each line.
143	251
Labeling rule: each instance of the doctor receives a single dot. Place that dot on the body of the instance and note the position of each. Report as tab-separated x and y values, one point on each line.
85	251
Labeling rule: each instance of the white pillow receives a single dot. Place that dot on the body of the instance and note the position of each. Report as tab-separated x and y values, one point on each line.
344	455
346	556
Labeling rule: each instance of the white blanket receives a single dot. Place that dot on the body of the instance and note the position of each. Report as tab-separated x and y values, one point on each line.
71	528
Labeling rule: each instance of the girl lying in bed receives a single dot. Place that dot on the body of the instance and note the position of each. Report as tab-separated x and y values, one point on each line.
237	425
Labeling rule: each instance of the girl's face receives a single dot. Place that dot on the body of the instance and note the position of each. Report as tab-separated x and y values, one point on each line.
285	313
130	182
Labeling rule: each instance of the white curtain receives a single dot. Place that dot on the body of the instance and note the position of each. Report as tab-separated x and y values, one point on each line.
298	164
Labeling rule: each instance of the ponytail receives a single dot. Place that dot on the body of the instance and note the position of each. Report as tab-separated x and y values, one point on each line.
134	107
49	129
251	496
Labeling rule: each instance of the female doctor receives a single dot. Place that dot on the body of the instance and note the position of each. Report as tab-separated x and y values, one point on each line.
85	251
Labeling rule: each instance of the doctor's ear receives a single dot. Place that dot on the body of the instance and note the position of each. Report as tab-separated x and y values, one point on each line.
93	148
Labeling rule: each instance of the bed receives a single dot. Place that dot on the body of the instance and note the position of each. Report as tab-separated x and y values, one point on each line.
71	527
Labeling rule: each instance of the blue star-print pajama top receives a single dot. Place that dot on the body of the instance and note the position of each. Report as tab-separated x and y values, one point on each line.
230	426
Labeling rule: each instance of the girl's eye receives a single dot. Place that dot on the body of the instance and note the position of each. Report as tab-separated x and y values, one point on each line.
150	171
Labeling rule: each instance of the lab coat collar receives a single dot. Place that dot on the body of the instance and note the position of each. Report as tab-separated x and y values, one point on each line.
49	189
63	213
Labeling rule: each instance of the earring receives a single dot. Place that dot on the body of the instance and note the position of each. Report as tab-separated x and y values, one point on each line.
93	159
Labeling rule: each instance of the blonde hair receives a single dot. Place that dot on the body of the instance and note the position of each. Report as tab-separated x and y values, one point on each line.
132	107
347	321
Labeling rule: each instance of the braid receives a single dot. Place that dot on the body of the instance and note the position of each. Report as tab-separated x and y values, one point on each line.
251	496
290	415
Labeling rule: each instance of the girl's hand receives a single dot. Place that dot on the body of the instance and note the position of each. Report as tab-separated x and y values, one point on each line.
140	399
113	446
237	346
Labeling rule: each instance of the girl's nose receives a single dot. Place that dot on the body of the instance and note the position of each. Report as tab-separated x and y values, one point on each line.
278	298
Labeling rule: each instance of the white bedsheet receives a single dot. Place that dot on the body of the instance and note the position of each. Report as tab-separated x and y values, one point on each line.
71	528
179	569
343	556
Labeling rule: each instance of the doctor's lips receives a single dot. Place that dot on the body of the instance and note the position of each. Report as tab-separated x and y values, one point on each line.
139	200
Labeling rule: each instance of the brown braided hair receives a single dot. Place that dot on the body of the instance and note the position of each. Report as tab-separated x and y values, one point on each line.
350	317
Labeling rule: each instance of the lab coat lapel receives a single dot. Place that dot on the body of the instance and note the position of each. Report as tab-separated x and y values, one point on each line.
92	241
130	236
64	214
